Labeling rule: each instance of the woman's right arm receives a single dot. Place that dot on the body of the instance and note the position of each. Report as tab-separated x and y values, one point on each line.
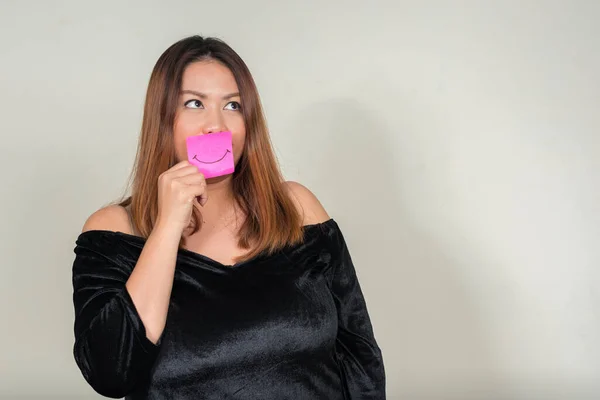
120	316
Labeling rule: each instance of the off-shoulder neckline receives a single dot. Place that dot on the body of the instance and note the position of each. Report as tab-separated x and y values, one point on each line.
307	229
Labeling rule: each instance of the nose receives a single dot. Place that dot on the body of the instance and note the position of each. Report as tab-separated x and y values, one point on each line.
213	123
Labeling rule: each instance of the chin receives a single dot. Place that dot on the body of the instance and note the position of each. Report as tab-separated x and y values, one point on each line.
218	179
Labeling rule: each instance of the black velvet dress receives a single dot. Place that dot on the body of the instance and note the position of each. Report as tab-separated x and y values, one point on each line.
291	325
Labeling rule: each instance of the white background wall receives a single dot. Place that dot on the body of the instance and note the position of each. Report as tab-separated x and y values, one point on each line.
456	143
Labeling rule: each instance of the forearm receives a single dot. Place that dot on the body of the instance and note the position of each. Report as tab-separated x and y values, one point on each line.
151	281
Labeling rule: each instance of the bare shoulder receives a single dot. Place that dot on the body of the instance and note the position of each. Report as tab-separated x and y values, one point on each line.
110	218
309	207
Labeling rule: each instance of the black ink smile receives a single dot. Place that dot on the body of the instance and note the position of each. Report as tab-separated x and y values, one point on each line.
212	162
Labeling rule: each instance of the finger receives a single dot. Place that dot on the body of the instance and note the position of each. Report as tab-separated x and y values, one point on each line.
199	193
179	165
195	203
187	170
197	190
183	167
192	179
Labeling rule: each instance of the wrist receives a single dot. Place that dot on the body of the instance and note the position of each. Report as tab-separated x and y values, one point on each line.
167	230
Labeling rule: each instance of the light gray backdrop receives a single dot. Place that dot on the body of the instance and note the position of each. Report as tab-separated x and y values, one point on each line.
456	143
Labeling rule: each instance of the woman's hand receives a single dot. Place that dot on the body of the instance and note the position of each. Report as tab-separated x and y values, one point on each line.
180	189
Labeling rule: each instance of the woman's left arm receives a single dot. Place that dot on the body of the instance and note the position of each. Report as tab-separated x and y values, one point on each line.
357	351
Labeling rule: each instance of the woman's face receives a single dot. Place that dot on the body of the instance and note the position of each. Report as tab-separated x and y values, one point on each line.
209	103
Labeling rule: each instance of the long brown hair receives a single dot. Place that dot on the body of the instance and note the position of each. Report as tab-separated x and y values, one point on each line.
272	220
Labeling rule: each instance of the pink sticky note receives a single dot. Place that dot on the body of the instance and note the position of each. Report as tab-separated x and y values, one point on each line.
211	153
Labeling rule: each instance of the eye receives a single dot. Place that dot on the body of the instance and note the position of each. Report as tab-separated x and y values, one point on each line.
193	103
236	106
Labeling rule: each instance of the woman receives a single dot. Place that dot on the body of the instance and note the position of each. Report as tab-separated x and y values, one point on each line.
234	287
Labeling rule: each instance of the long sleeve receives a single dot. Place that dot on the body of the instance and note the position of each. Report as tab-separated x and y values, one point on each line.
358	353
111	348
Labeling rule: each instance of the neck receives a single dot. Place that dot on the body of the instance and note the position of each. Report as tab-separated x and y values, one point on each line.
220	197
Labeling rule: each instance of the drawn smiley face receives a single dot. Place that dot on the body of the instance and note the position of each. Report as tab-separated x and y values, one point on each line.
211	153
227	151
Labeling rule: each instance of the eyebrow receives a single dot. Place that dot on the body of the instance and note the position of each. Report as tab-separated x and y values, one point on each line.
204	96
